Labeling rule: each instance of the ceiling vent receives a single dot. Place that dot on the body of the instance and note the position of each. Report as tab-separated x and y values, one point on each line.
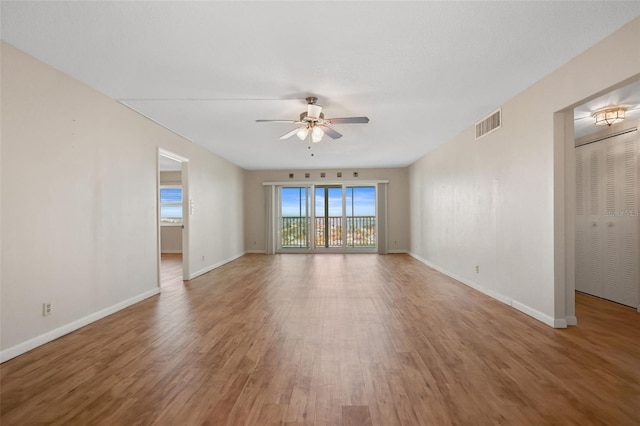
489	124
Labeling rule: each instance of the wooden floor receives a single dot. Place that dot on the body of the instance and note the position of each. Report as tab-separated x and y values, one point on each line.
330	340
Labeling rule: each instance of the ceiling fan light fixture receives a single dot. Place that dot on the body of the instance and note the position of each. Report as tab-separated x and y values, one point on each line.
313	111
316	134
302	133
609	116
313	125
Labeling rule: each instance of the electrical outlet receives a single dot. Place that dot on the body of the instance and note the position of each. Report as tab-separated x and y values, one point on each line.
477	269
46	309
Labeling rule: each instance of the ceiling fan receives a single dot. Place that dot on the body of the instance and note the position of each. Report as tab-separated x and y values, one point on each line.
313	124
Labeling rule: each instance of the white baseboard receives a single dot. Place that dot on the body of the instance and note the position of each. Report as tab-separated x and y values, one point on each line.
504	299
572	321
552	322
397	252
255	252
49	336
171	251
214	266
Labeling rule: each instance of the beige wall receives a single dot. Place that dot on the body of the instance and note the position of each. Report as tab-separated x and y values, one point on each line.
398	200
171	239
170	178
79	223
499	202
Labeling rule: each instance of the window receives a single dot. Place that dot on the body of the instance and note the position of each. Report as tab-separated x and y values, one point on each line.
328	218
170	205
294	217
361	216
335	216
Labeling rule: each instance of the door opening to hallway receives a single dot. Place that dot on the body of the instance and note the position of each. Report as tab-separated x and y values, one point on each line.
172	190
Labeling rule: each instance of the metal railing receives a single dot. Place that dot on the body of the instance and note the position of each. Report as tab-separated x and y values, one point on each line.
361	231
294	232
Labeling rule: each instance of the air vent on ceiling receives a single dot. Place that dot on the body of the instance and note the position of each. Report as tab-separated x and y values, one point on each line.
489	124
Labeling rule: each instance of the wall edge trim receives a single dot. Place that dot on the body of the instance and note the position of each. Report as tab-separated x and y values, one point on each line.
56	333
544	318
215	265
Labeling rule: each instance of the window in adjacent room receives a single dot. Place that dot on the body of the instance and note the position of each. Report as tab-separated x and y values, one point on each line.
170	205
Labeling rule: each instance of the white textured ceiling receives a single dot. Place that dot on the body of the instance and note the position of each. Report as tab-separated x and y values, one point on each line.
421	71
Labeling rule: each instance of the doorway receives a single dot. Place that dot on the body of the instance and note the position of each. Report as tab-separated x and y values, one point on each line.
173	218
607	219
607	195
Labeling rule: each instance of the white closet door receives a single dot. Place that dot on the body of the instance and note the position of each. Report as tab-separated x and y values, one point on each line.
621	220
589	265
582	222
607	243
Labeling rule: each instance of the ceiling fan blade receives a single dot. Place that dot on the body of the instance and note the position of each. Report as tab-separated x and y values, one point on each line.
289	134
330	132
278	121
347	120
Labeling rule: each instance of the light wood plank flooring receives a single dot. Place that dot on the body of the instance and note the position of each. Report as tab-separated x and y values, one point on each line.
330	340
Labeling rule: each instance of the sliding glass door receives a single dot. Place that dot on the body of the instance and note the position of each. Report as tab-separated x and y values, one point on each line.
294	217
361	216
327	217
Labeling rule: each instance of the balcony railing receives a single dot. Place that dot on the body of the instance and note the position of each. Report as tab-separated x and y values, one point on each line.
294	232
361	231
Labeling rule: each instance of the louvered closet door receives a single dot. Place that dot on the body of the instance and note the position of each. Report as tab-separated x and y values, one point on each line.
589	206
607	243
622	278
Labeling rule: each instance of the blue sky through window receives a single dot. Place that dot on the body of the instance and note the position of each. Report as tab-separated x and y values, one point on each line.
294	202
170	196
360	201
171	212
